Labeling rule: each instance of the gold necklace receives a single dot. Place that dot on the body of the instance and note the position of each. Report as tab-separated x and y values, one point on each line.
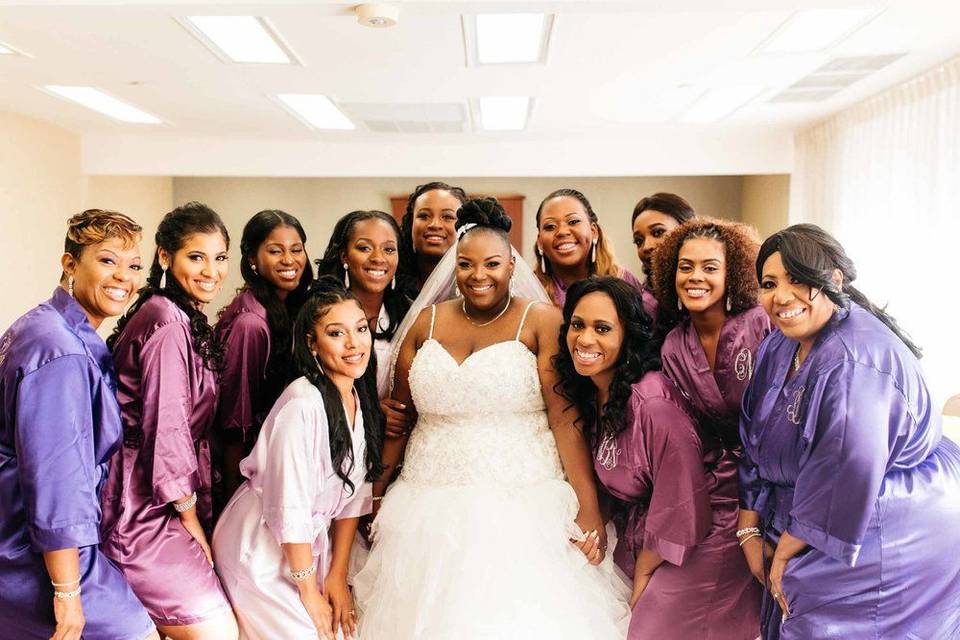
463	307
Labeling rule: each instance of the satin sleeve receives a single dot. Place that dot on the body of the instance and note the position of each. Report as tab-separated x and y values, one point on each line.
851	424
167	406
751	486
55	457
290	480
247	348
679	516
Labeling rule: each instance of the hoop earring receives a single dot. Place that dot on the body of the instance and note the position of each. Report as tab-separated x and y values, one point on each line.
593	252
70	286
346	276
729	305
163	278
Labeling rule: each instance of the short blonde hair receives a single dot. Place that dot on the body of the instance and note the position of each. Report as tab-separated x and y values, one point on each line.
94	226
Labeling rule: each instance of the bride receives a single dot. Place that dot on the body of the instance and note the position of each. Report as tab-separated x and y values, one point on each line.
481	537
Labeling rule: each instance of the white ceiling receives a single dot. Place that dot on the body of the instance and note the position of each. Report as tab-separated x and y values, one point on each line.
617	77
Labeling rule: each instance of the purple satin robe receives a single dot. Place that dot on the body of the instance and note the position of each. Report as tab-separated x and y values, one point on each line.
655	467
646	296
848	456
59	425
167	399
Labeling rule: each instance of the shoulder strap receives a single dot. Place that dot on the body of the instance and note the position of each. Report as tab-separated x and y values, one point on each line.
433	317
524	318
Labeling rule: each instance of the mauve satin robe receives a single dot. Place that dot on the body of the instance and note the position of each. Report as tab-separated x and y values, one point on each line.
59	425
167	399
647	299
849	457
292	495
655	467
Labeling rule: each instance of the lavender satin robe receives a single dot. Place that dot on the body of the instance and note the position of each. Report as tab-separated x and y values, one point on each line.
848	456
292	495
655	467
59	425
646	296
167	399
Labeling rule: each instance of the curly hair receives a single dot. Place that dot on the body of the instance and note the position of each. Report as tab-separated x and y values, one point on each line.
639	353
740	242
606	264
408	257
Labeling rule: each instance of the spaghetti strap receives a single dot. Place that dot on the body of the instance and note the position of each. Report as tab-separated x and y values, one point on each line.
524	318
433	317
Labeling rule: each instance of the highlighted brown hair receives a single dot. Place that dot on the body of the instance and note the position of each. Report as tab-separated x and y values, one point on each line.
94	226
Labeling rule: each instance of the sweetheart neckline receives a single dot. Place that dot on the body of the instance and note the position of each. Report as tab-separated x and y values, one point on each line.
460	364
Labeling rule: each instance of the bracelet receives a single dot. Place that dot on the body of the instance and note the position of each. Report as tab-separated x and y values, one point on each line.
303	574
377	498
66	595
752	535
65	584
187	505
746	530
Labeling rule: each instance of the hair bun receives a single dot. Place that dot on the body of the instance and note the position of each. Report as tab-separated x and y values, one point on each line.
484	212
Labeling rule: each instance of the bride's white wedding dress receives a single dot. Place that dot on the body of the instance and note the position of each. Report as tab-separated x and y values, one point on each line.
472	540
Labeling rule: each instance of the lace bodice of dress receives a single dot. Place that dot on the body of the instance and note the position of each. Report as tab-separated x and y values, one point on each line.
481	421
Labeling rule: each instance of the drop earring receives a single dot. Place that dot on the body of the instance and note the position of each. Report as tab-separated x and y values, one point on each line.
393	283
346	276
317	360
70	285
254	267
543	260
679	305
593	252
163	278
729	305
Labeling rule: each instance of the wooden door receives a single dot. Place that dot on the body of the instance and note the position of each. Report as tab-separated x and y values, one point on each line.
512	203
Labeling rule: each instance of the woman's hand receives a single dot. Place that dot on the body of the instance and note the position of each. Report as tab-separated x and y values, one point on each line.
777	567
69	617
317	608
341	601
399	418
754	551
595	544
190	522
640	582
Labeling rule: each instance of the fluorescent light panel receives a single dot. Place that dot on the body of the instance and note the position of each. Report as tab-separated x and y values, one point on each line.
316	110
510	37
6	51
717	104
815	29
104	103
242	38
504	113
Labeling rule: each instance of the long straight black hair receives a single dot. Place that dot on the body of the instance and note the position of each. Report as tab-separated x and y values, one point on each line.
810	256
325	292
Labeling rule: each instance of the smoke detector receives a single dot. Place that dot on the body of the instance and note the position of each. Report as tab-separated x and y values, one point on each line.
377	15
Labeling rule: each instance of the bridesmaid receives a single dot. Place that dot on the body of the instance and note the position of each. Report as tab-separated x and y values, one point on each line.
653	218
673	543
427	228
156	505
571	246
59	425
255	331
283	543
846	473
364	254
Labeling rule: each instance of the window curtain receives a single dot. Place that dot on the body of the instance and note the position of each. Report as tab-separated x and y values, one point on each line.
884	178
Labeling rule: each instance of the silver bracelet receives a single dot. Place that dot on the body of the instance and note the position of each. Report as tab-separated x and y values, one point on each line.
377	498
303	574
65	584
746	530
749	537
186	506
66	595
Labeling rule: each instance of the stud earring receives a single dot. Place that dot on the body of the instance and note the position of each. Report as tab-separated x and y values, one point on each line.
70	285
163	278
346	276
729	305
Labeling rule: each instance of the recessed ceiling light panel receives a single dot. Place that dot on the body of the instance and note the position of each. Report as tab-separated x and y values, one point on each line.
507	38
9	50
718	103
316	110
102	102
816	29
241	39
504	113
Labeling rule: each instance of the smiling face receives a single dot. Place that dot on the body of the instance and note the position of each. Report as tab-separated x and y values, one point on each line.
701	274
649	230
595	337
199	266
484	268
371	255
566	233
788	302
434	217
342	341
281	258
105	277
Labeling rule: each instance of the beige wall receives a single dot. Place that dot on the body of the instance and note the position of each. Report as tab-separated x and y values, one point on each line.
765	202
319	202
40	187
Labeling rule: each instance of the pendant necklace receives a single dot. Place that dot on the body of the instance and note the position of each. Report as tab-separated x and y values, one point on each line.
796	360
463	307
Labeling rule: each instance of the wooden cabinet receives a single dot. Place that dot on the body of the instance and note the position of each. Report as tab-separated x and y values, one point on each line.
512	203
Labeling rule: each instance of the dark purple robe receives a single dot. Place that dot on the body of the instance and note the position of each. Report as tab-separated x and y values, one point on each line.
59	425
646	296
655	467
849	457
167	399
